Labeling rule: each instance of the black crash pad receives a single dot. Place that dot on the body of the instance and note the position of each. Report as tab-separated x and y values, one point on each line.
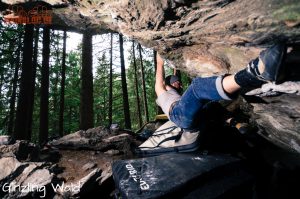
183	175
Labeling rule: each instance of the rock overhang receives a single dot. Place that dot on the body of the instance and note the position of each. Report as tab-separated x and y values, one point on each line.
200	37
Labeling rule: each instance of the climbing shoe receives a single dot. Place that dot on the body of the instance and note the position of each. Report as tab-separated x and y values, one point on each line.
265	68
270	63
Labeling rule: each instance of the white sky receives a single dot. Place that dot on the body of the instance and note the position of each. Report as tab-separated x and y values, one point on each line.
75	39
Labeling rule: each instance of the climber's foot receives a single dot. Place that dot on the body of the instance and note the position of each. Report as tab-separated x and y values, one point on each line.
268	66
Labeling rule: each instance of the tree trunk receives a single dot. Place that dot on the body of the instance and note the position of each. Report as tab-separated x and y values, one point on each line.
136	87
110	100
54	89
1	84
69	119
34	64
143	84
24	101
14	88
62	87
124	86
86	94
44	105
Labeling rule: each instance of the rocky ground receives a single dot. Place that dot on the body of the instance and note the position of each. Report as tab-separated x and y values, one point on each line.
79	165
75	166
202	38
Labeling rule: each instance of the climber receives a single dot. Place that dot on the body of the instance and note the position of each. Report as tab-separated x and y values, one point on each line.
185	110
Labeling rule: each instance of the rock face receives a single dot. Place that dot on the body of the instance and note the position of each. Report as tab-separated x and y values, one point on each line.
21	179
22	149
202	38
278	120
100	139
74	166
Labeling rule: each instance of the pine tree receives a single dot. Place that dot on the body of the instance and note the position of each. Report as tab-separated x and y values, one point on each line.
13	97
136	87
44	104
110	100
86	99
62	88
72	92
35	65
101	91
143	84
22	117
124	86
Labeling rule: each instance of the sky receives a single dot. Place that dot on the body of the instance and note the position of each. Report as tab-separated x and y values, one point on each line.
74	39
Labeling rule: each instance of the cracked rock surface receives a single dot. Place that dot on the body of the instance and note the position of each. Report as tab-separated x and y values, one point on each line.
202	38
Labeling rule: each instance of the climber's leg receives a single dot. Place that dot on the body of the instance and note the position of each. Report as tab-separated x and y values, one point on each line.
185	113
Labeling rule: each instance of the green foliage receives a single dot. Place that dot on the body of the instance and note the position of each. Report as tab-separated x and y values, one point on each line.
9	50
72	89
288	12
149	81
72	92
101	91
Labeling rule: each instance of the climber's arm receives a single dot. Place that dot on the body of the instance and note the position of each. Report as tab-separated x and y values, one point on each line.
159	78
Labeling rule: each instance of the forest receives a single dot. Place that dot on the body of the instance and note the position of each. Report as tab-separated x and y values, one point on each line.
78	106
47	91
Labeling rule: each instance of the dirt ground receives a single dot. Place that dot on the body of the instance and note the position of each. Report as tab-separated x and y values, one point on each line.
74	163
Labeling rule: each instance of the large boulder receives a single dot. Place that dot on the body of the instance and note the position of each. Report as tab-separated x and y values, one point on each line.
18	180
202	38
278	120
199	37
22	149
75	166
99	139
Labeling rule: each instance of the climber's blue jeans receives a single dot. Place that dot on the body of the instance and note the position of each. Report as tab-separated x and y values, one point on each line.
186	113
